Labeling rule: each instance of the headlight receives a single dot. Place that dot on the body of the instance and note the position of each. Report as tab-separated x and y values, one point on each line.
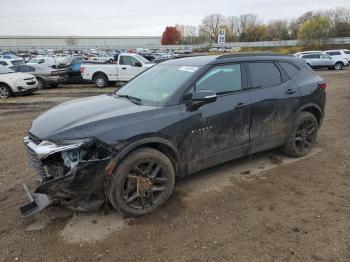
46	148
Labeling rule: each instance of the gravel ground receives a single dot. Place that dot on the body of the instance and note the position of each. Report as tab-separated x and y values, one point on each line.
265	207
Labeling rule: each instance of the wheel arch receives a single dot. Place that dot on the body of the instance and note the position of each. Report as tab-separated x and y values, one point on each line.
99	73
162	145
313	109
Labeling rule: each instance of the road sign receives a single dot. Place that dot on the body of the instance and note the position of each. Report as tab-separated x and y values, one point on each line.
221	36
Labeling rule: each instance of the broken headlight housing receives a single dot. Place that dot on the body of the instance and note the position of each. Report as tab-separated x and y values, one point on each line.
52	160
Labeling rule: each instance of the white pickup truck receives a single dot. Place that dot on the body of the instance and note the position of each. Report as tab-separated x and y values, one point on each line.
127	67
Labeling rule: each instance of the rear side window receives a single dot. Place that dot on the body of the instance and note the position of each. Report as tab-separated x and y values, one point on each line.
290	69
333	53
221	79
264	74
347	52
314	56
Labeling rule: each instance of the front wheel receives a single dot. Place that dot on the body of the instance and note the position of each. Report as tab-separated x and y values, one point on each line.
303	137
141	183
5	92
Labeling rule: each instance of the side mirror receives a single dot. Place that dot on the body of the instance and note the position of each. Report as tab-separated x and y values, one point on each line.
201	98
138	64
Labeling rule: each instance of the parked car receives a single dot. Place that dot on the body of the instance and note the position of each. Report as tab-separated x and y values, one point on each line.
12	83
43	60
128	66
10	61
176	118
318	60
347	53
74	74
45	75
340	56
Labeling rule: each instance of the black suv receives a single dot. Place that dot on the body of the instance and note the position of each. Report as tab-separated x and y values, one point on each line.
176	118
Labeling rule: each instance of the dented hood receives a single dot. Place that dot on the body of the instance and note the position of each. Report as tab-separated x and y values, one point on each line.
88	117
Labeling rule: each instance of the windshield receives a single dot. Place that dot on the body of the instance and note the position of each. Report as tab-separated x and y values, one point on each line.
157	84
33	61
144	60
5	70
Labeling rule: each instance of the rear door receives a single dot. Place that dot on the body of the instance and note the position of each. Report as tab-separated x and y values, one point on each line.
274	98
128	68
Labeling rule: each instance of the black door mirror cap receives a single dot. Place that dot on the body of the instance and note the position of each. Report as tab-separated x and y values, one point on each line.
201	98
138	64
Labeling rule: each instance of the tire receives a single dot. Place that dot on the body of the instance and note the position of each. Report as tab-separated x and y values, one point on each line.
41	83
100	81
338	66
303	136
138	187
5	92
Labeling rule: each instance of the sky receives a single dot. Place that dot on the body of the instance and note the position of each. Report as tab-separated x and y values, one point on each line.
136	17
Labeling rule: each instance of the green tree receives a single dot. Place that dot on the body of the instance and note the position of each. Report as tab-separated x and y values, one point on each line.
314	29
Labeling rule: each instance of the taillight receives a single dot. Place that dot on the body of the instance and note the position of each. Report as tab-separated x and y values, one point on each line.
322	85
82	69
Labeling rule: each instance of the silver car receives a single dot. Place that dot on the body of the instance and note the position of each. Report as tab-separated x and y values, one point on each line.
320	60
45	75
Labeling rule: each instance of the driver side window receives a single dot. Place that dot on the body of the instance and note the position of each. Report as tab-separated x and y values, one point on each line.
128	60
221	79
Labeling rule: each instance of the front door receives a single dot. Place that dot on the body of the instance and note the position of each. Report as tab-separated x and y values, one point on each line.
219	131
127	68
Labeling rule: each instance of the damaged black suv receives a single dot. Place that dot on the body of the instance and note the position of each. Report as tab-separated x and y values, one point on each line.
176	118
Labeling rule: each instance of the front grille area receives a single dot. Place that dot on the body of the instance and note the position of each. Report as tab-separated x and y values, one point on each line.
36	163
31	83
36	140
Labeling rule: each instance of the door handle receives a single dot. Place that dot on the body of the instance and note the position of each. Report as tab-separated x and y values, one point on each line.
240	105
290	91
123	68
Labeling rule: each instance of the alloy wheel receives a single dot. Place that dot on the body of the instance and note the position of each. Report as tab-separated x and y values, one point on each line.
4	92
145	185
100	82
305	136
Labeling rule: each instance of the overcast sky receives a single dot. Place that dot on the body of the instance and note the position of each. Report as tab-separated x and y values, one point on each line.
136	17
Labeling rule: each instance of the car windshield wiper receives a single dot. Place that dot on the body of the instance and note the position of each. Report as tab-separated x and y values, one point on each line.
133	99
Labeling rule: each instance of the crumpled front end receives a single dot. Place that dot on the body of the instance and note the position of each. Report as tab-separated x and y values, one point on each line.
70	173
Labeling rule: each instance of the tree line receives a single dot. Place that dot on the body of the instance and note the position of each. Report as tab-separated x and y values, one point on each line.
309	27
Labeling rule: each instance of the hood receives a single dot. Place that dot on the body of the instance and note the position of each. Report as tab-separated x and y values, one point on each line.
88	117
149	65
16	76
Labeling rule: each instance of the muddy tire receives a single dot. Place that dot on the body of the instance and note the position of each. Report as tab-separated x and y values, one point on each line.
100	81
141	183
5	92
41	83
303	136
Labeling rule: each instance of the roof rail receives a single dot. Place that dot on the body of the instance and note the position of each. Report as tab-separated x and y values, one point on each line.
251	54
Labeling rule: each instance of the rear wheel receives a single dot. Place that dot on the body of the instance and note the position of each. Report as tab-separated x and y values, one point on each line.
303	136
338	66
141	183
100	81
5	92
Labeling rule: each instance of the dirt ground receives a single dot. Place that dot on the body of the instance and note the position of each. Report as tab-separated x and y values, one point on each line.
265	207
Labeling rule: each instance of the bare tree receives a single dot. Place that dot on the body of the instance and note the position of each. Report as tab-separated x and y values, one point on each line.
278	30
232	24
211	24
245	21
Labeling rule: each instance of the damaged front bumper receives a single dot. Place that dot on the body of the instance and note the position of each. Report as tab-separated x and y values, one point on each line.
71	174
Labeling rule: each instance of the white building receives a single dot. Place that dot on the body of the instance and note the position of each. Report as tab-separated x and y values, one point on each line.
23	43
